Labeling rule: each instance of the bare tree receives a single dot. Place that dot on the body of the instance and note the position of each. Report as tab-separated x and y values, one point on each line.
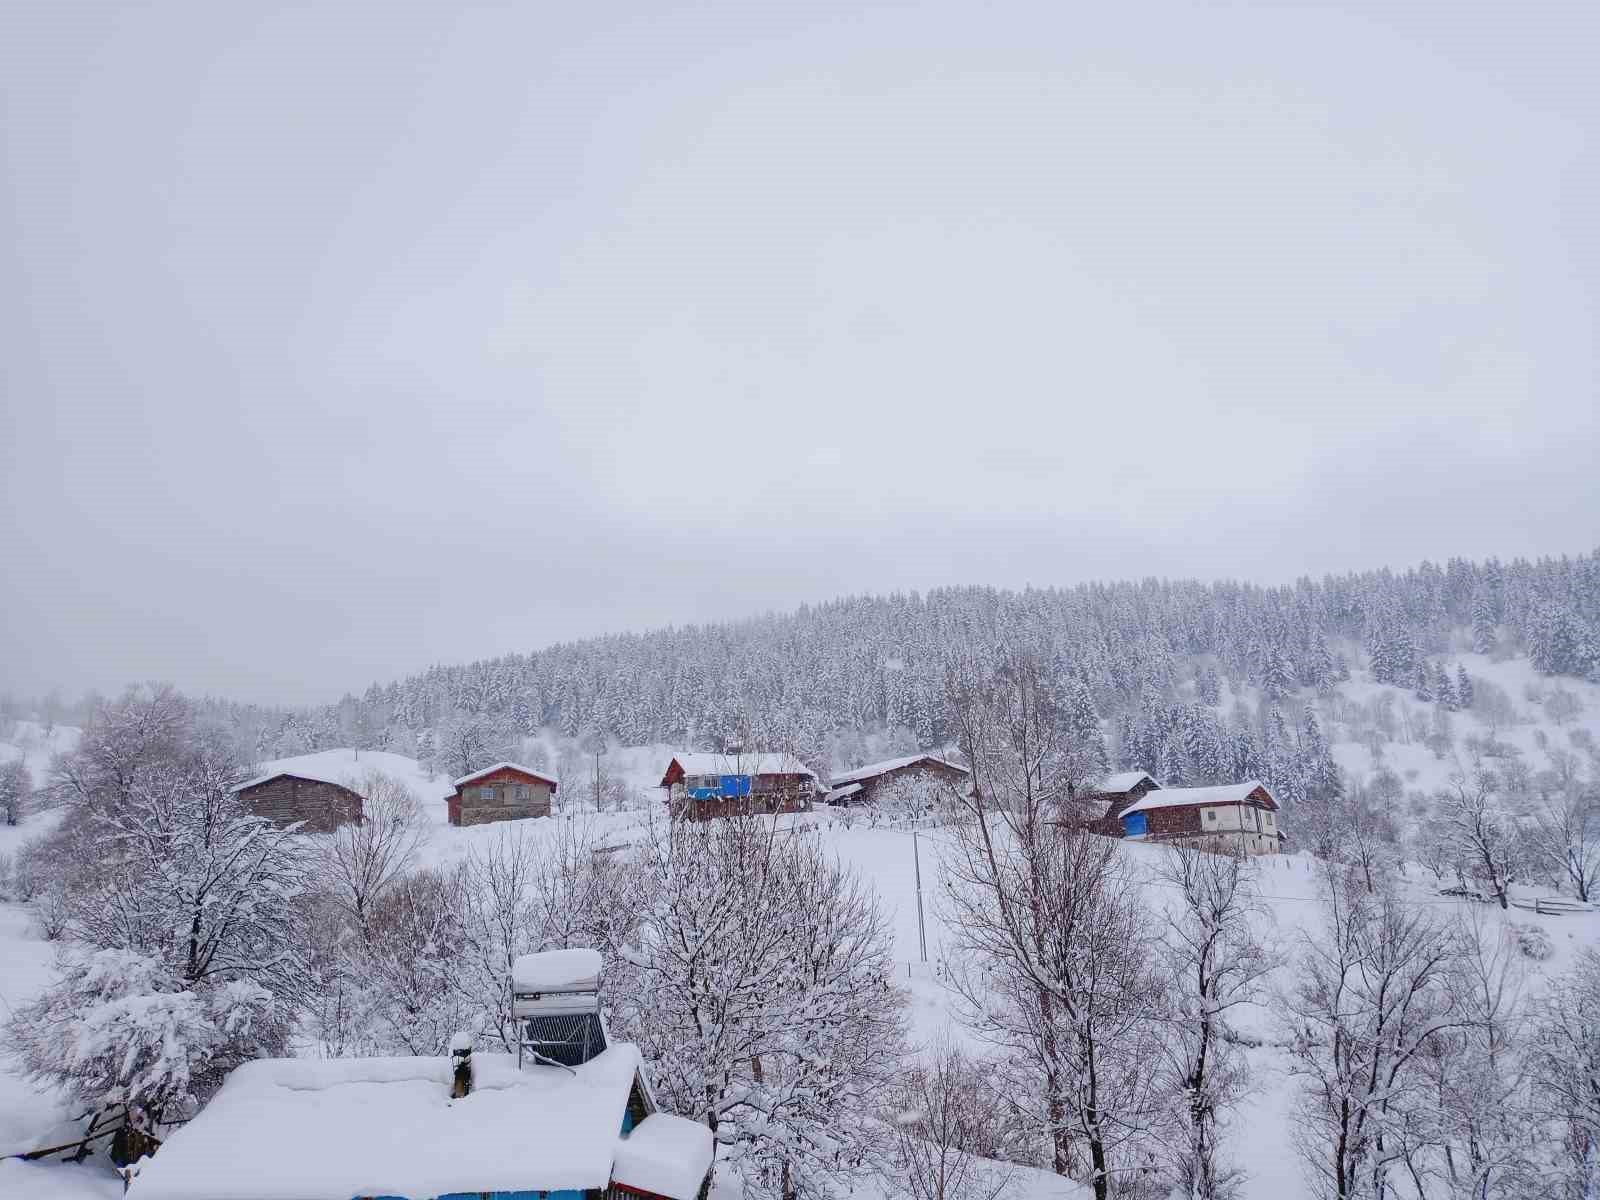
183	905
944	1130
498	880
1216	963
1369	998
1486	1126
1471	809
362	859
1565	837
16	785
407	975
1565	1065
469	742
1049	957
145	727
765	1000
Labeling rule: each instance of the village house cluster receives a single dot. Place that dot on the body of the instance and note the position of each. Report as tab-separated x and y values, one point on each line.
1239	817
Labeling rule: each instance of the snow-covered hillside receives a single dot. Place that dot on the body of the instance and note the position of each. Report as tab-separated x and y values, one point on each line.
1259	1137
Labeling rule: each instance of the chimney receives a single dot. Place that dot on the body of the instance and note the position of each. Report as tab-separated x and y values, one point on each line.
461	1065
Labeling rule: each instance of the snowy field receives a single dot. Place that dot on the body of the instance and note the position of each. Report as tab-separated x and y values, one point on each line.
1259	1137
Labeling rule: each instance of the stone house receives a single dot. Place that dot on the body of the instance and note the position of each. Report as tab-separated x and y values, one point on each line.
503	792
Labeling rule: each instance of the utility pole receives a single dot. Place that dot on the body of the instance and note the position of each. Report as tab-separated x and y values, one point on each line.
916	856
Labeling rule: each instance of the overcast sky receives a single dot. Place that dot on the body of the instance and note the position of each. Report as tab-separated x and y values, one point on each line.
341	339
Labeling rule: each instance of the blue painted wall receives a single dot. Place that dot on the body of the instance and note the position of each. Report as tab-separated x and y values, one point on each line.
728	785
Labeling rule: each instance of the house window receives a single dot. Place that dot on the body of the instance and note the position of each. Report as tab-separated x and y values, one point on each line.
1211	814
522	791
1267	819
486	793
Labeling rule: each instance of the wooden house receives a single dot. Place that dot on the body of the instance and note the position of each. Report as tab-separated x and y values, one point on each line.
1237	816
702	786
872	783
1097	809
319	801
503	792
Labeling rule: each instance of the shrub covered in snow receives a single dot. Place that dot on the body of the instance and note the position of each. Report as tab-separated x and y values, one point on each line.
1532	941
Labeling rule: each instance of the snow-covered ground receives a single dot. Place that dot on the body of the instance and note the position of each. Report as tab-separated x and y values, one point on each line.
1259	1137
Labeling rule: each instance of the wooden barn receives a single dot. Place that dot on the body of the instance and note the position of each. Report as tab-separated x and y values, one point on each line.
1233	816
872	783
702	786
1099	809
503	792
322	802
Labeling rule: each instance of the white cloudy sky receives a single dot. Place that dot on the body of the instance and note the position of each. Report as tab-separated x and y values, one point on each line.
340	339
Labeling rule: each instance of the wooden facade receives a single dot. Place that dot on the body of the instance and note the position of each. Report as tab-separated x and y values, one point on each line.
1241	819
285	798
873	783
504	792
702	787
1101	810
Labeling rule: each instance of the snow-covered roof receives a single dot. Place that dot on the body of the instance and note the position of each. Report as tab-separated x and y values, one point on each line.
738	764
666	1155
843	793
872	770
292	1129
1227	793
577	968
1125	781
343	778
506	766
347	766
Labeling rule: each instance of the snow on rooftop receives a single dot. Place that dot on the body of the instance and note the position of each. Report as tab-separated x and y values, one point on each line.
891	764
1227	793
666	1155
346	767
291	1129
1124	781
843	793
557	970
740	764
507	766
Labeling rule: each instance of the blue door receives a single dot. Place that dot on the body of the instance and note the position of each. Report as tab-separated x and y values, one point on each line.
1133	825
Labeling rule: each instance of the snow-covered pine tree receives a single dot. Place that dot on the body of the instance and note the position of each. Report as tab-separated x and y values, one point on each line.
1277	676
1484	620
1445	691
1087	743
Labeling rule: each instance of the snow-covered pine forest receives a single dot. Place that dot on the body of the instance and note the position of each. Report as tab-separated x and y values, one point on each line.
1152	658
1382	1013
